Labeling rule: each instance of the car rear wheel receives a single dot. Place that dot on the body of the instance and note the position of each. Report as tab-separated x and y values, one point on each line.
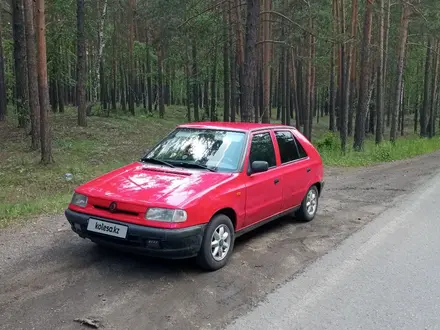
309	205
217	244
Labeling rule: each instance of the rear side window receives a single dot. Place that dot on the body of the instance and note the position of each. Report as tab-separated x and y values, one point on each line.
290	148
301	151
262	149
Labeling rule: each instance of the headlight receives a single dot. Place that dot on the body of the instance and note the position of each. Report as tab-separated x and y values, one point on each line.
79	200
166	215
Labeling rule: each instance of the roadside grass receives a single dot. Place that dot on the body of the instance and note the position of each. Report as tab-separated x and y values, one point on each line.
405	147
28	189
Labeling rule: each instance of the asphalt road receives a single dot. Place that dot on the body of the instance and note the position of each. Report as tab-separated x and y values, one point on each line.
49	276
386	276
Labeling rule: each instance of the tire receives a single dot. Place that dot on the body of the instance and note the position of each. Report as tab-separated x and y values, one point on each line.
306	213
205	258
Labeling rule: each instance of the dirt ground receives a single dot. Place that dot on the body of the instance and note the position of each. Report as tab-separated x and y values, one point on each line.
49	276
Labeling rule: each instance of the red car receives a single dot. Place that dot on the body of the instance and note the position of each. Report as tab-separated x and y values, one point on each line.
198	189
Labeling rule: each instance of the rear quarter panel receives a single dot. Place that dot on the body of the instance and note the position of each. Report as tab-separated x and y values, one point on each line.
315	160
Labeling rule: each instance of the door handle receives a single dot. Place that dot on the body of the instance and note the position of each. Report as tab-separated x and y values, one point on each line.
308	170
276	181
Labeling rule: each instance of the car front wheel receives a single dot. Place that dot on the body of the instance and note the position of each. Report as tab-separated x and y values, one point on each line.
309	205
217	244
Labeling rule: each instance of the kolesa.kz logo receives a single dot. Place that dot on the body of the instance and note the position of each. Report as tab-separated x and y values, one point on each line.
102	227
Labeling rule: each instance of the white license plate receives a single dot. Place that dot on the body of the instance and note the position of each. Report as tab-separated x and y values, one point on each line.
107	228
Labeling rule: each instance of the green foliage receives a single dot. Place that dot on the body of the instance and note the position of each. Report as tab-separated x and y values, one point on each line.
408	147
328	143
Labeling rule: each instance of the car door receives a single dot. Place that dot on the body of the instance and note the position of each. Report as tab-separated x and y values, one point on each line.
264	192
295	168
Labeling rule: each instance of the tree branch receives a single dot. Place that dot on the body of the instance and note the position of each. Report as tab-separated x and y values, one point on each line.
272	42
288	19
201	13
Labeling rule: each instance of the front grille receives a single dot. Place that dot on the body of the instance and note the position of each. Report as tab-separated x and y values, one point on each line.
99	207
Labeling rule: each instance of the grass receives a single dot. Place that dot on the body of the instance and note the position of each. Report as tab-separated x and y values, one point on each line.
406	147
29	189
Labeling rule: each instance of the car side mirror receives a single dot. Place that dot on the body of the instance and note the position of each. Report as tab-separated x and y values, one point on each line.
259	166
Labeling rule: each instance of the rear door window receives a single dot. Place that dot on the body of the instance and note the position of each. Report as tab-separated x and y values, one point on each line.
290	148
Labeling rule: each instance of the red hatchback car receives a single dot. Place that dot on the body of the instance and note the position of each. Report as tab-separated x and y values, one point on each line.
200	188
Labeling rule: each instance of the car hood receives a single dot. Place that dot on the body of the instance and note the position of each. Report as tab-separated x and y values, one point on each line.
146	184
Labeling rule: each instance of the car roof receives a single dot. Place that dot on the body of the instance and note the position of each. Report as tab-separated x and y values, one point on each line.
236	126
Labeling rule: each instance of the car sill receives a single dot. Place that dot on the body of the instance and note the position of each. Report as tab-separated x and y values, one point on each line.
262	223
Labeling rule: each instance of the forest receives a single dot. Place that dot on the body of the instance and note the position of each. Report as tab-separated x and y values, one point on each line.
356	77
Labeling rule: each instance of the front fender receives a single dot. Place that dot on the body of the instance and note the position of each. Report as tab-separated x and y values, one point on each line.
211	203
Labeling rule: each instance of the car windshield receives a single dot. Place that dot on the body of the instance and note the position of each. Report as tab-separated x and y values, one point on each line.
217	150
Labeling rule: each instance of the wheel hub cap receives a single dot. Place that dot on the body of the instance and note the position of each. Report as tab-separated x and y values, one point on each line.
220	242
311	202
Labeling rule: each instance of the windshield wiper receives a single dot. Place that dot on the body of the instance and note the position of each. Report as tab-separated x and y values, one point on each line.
156	161
195	165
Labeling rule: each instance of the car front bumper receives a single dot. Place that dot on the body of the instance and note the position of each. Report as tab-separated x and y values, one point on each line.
150	241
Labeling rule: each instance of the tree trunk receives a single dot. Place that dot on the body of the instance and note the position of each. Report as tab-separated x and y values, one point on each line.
267	6
426	102
250	60
312	92
353	72
206	95
380	76
287	102
279	88
359	134
45	125
333	86
309	105
3	100
239	52
114	70
101	46
131	84
226	71
294	89
123	89
160	93
188	86
195	81
416	111
400	66
103	86
301	91
61	100
114	84
21	92
34	100
81	65
434	84
385	64
283	80
149	79
345	109
402	116
341	64
167	93
233	63
213	87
